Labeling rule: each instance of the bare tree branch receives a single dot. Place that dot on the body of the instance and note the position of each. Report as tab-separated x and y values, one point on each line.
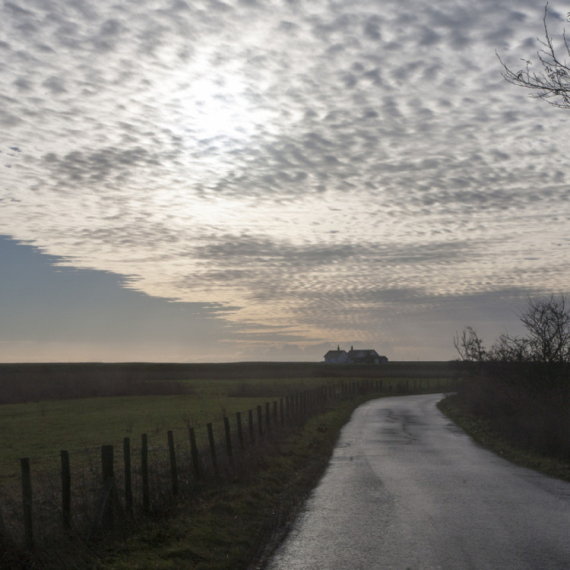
469	345
547	321
552	84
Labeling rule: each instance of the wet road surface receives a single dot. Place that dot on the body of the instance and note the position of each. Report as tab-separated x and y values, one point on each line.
406	489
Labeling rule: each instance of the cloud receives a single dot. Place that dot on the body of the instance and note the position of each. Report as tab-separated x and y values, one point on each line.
279	160
105	164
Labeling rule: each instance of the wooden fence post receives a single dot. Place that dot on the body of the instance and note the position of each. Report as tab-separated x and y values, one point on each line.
65	490
195	455
108	472
128	475
173	468
228	440
144	473
107	461
213	449
27	502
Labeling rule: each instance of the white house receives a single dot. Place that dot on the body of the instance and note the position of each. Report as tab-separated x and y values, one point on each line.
337	356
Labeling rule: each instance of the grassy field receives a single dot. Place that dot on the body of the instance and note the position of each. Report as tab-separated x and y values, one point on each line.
40	429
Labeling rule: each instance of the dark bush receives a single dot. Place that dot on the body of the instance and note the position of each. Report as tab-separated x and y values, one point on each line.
527	417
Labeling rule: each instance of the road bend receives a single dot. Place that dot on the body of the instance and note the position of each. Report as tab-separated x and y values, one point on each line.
406	489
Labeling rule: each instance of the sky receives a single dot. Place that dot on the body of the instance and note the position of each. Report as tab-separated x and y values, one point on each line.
210	180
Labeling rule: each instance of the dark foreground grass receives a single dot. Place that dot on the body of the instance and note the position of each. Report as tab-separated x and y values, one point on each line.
226	528
480	429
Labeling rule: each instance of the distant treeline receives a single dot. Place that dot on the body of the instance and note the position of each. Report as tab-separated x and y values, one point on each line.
35	382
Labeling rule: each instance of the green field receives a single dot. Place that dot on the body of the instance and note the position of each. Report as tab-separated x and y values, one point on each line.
40	429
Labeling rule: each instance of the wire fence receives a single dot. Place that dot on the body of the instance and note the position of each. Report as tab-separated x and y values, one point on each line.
86	495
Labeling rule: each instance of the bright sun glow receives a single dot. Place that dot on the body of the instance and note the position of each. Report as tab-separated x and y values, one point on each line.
214	108
217	111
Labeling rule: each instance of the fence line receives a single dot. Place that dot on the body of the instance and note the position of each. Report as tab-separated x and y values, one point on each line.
90	505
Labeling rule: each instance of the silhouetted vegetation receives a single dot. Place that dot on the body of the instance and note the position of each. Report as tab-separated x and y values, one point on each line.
521	385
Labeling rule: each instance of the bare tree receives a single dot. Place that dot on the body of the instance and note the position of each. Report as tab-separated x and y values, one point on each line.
552	83
469	345
510	349
547	321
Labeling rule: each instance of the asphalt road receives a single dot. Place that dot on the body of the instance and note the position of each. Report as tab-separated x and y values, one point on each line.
406	489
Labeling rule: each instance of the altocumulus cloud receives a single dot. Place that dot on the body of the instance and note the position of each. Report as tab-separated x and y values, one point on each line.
322	169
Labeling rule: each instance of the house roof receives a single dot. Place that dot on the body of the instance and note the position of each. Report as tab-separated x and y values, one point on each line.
362	352
335	352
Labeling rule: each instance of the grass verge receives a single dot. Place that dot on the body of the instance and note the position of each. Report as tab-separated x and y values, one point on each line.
480	430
